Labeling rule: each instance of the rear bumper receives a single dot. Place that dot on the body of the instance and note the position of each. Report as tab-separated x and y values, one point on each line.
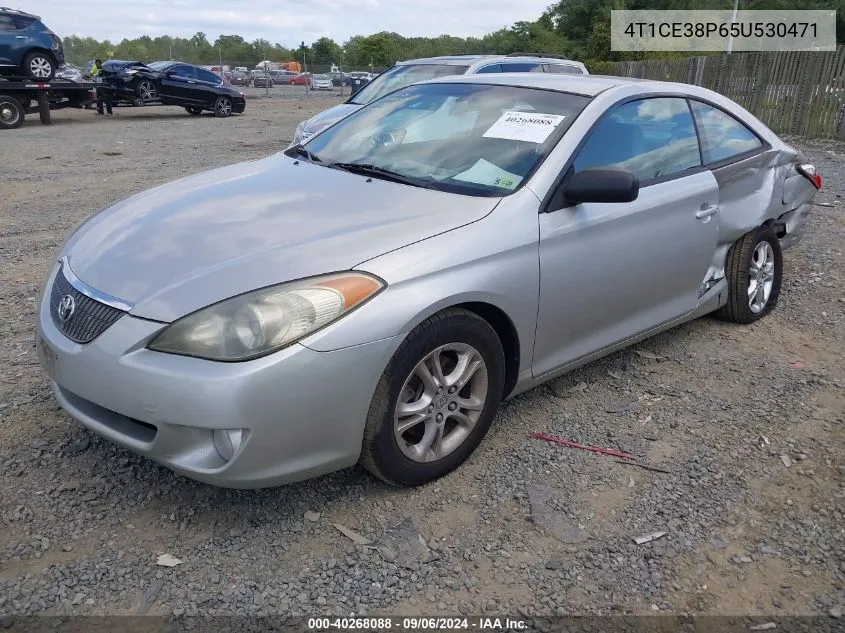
795	223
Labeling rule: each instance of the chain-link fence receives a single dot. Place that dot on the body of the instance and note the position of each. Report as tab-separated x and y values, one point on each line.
799	93
301	79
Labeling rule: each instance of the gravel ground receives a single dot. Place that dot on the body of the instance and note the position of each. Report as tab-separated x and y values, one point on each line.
524	527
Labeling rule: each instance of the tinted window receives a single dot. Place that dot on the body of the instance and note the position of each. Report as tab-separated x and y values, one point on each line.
187	72
7	23
523	67
651	137
207	75
492	68
722	136
564	69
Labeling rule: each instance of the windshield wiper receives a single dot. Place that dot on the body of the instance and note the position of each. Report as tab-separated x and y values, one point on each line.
300	150
367	169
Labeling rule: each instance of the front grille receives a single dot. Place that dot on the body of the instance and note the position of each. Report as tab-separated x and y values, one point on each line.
89	318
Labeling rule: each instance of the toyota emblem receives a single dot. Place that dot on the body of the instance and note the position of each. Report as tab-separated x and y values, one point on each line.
66	308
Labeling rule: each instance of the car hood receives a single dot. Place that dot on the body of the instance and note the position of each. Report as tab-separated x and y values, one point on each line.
184	245
327	117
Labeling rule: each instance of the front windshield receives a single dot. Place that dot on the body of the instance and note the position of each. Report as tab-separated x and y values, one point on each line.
320	77
472	139
401	76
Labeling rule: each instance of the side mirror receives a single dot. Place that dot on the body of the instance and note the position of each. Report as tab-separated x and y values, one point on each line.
602	184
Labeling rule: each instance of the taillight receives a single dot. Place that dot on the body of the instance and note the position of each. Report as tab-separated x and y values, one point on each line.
810	172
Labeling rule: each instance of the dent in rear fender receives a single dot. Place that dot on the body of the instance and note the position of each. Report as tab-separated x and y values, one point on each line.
493	260
751	192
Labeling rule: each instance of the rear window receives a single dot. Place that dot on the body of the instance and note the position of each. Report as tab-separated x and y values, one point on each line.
401	76
564	69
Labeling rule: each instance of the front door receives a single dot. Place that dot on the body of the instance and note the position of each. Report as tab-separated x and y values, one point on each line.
179	85
611	271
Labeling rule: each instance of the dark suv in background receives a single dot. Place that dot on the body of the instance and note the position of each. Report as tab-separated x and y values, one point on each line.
27	47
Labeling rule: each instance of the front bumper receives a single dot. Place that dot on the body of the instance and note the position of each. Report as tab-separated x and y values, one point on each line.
302	412
238	106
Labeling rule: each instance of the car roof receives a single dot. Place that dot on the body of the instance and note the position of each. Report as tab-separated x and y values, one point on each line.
20	14
468	60
587	85
448	60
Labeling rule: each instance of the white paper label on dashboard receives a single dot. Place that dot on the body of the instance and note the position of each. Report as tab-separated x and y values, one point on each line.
532	127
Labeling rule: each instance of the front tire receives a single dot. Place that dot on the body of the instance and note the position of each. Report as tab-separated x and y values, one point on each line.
222	107
754	270
146	90
39	66
435	400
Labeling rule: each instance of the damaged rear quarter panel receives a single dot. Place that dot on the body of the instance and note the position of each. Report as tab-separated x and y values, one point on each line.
751	192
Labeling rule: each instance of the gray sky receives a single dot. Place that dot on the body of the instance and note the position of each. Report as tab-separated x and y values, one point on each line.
280	21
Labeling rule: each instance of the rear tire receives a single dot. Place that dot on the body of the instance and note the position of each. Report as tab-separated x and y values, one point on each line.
39	66
753	270
44	109
195	110
12	114
456	338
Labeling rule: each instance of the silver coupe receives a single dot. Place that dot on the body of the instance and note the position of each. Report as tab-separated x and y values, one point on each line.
372	295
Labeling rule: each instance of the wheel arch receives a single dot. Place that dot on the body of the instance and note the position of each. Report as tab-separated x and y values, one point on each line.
44	51
507	333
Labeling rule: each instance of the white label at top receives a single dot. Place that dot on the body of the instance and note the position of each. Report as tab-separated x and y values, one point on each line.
533	127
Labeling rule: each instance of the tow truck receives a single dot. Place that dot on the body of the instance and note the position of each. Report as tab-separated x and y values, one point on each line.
21	97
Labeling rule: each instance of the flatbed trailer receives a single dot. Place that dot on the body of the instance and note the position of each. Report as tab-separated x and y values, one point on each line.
19	98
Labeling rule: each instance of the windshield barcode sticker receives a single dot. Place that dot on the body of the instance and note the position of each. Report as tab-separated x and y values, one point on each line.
532	127
486	173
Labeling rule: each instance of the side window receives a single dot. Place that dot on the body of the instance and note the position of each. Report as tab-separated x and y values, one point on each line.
492	68
7	24
722	136
564	69
523	67
650	137
186	72
208	76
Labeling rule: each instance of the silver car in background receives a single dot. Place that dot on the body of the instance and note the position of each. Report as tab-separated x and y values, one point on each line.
320	82
248	327
415	70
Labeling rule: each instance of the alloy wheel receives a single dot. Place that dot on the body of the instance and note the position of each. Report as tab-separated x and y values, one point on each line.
40	67
147	91
440	402
761	275
224	106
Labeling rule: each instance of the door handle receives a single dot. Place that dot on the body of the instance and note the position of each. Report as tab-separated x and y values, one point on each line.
707	212
21	37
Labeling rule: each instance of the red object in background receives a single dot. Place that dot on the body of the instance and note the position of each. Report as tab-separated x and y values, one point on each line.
592	449
298	80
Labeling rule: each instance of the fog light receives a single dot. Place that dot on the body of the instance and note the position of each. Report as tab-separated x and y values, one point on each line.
227	442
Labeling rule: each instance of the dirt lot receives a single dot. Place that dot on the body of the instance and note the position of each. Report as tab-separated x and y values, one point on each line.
525	527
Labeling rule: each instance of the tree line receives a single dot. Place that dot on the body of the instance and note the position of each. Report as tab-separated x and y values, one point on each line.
578	29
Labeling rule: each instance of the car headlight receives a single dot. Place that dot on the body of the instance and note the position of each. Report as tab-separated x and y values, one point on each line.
266	320
131	71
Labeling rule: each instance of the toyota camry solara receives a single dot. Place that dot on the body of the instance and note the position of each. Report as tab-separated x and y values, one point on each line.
371	296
